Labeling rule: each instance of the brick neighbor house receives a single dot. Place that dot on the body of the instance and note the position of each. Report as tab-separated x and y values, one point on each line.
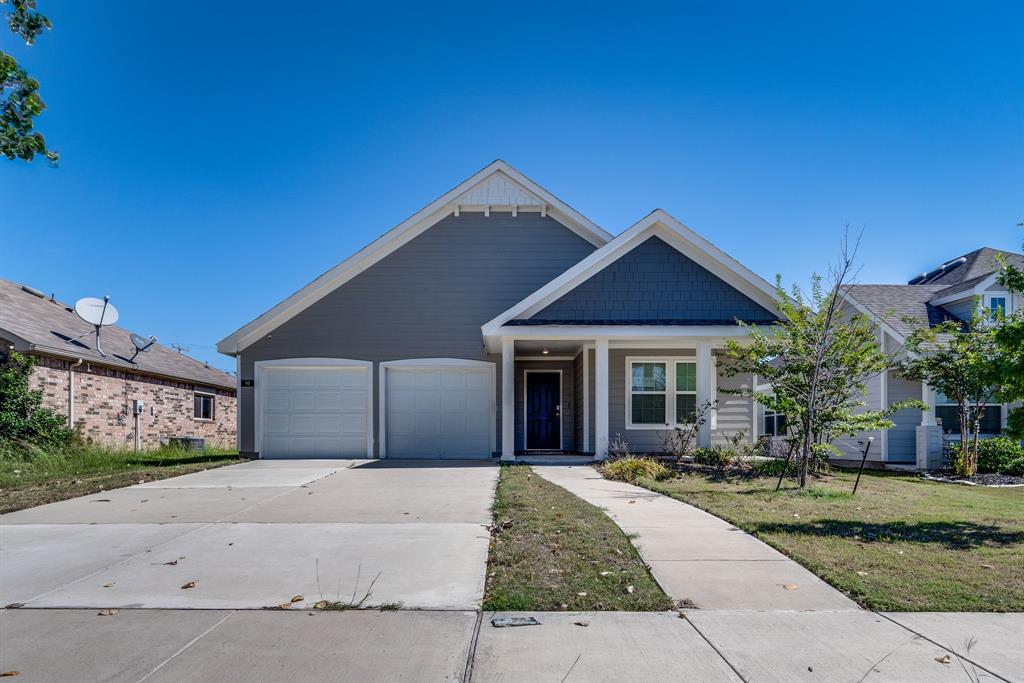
180	395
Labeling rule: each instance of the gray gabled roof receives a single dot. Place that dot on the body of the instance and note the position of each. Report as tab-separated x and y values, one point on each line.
43	325
977	265
895	303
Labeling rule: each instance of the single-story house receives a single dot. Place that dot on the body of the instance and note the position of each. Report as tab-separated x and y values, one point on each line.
948	292
499	321
98	393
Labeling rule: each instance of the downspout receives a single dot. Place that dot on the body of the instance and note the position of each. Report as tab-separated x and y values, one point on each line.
71	392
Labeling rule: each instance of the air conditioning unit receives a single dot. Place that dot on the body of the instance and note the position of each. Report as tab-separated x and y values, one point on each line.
187	443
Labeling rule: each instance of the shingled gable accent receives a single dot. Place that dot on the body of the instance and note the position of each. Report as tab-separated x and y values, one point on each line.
497	187
756	294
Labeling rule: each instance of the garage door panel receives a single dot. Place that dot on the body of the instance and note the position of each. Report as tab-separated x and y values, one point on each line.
443	412
314	412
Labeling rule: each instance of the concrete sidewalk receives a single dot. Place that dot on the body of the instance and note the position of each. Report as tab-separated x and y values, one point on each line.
697	557
299	645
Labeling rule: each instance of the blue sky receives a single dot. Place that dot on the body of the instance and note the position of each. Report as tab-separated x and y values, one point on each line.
215	160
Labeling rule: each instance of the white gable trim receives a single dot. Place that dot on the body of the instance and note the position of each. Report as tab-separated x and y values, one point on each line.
656	224
979	289
508	188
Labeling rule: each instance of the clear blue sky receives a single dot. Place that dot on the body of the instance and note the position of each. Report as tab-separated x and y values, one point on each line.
218	156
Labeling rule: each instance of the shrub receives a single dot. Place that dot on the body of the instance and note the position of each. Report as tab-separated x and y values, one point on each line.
1015	467
715	456
630	469
619	448
23	419
773	467
994	455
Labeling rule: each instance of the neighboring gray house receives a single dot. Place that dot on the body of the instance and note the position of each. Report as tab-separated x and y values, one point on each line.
949	292
500	321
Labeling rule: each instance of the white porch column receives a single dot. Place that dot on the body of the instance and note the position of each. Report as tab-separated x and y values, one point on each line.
705	368
601	399
928	398
508	393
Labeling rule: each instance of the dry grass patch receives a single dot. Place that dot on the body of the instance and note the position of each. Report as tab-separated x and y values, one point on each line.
550	550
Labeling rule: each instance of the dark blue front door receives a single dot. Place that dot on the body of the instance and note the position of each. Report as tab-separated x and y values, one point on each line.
543	419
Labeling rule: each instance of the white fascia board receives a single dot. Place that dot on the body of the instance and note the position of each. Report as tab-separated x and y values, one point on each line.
398	236
978	290
646	334
657	223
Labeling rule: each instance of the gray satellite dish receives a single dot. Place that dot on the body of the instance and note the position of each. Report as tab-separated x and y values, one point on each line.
141	344
97	312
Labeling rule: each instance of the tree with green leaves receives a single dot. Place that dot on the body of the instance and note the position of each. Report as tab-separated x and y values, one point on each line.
962	361
818	361
20	102
1009	336
23	418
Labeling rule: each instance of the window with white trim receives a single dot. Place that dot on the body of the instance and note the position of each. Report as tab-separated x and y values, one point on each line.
660	392
774	423
997	307
949	412
203	406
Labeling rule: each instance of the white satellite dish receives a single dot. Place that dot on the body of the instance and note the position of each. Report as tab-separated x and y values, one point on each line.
142	345
97	312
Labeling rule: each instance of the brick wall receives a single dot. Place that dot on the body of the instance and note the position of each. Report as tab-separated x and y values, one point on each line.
103	405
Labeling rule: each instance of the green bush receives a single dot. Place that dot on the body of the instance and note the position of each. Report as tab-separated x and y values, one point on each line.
24	422
994	455
715	456
773	467
1015	467
631	469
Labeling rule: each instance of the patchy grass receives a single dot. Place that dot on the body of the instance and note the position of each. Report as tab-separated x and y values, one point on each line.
901	544
50	477
550	550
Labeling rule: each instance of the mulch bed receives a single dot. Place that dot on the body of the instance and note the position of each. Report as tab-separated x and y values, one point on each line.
980	479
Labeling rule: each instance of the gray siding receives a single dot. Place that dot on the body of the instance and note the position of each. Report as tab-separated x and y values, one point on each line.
653	282
735	413
962	309
427	299
902	438
568	403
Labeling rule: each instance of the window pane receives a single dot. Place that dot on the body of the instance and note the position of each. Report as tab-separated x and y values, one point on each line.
686	377
686	408
198	406
648	377
769	425
780	425
941	398
991	420
648	409
950	417
998	306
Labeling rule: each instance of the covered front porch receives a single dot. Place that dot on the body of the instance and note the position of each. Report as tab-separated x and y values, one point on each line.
575	388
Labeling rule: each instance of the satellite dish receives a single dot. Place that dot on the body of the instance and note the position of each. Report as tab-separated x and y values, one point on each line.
141	344
97	312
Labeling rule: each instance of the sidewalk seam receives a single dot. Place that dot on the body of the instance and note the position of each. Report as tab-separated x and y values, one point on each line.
944	647
714	647
187	646
467	672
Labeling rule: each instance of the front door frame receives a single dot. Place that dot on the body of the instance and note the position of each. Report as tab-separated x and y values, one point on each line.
526	392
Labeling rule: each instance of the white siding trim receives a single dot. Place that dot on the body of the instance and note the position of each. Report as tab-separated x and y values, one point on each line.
586	399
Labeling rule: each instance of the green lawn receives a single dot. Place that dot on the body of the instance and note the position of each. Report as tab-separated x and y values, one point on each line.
550	550
901	544
48	477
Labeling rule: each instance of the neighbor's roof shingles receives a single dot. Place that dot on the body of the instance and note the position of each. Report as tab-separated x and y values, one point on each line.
43	325
894	303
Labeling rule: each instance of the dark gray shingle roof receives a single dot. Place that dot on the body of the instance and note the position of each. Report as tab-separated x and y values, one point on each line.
893	303
44	326
978	264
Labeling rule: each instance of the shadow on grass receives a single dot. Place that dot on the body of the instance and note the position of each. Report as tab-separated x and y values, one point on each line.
951	535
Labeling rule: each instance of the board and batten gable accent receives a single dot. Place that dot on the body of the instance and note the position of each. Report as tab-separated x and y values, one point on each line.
653	282
427	299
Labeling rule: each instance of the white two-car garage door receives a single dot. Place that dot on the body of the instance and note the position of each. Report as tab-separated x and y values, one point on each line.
439	412
313	410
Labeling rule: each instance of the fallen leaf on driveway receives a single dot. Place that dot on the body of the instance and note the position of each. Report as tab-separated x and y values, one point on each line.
190	584
321	605
790	586
297	598
107	612
285	605
8	674
14	605
944	659
581	623
109	585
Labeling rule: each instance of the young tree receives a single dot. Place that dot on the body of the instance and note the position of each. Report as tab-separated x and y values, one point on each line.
1009	336
960	360
19	93
23	418
818	361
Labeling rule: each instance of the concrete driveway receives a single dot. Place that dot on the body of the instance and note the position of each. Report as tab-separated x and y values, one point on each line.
255	535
